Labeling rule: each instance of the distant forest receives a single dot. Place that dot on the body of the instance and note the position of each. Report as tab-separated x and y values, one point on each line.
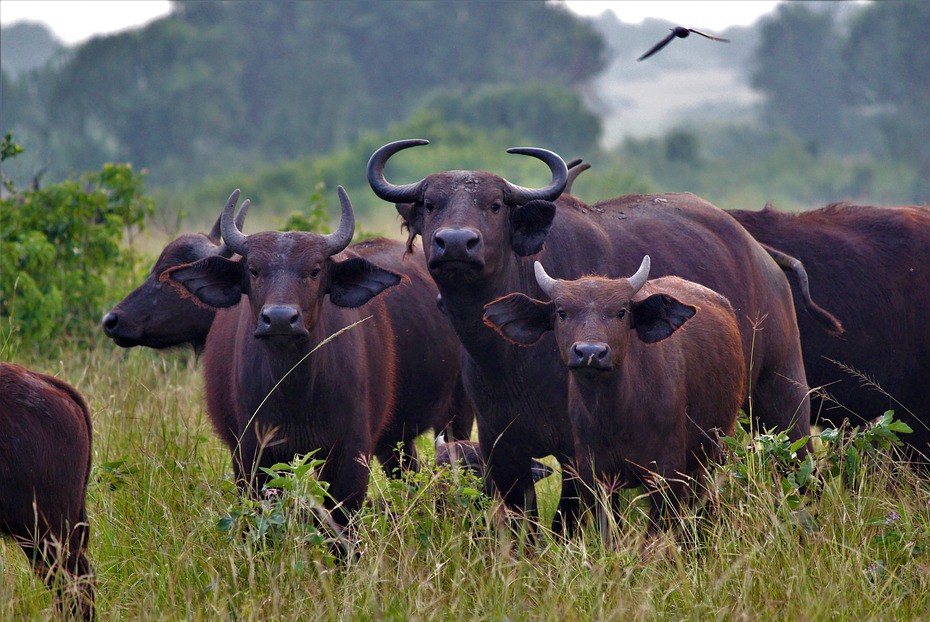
284	95
219	85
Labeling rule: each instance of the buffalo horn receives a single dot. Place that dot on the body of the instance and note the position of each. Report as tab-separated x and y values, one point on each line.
408	193
215	234
233	238
518	195
642	275
546	282
340	238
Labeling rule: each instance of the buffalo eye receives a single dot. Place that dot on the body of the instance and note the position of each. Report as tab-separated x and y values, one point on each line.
253	271
561	313
429	207
314	273
495	207
621	313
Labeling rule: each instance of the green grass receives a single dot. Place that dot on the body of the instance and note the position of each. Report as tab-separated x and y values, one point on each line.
161	486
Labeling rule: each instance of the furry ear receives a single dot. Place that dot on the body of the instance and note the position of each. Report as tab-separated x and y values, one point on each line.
529	226
356	281
413	222
519	319
214	281
658	316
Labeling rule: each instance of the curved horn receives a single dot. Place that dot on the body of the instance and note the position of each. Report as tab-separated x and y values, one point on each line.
232	236
222	249
518	195
340	238
642	275
381	187
546	282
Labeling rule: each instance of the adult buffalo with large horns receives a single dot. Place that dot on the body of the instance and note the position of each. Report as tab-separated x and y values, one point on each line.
289	399
481	234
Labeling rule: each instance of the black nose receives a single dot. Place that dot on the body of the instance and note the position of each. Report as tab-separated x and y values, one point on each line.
110	322
585	355
279	320
456	244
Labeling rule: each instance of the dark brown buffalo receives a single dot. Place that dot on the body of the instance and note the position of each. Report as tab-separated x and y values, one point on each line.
657	376
154	315
429	388
480	233
791	265
288	399
45	441
869	266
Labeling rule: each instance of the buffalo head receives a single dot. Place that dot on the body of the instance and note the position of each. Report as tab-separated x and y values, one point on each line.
285	275
471	220
592	317
154	315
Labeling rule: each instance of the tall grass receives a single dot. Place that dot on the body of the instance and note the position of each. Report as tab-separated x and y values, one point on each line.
164	546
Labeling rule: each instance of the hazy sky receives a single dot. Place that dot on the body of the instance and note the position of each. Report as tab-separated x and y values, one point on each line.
74	21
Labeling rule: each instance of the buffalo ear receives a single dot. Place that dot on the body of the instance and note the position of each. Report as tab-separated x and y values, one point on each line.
529	226
519	318
658	316
355	281
413	221
214	281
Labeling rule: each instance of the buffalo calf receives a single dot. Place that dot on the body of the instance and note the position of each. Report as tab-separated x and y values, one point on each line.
45	458
657	373
467	456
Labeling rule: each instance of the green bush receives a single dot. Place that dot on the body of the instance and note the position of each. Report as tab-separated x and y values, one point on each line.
61	251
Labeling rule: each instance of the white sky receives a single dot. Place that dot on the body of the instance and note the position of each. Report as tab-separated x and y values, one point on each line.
75	21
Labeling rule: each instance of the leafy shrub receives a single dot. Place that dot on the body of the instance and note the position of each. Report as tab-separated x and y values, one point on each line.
61	251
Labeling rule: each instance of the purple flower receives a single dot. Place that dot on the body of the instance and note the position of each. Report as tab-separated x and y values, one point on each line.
891	518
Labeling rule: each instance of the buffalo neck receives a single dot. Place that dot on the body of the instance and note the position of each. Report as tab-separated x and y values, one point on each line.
465	302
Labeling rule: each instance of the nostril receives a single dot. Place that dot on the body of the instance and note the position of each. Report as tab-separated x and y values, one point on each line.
578	352
295	318
602	353
265	319
110	321
440	243
472	243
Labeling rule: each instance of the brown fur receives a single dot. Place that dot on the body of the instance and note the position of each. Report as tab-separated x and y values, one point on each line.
45	457
869	266
521	394
651	413
429	388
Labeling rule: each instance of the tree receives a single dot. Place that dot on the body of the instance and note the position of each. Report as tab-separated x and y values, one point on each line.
799	70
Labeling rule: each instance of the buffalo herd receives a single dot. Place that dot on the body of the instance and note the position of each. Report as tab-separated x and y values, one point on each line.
520	314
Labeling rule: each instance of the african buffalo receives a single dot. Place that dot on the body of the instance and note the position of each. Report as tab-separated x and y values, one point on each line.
45	455
287	398
429	389
647	401
871	268
480	232
154	315
467	455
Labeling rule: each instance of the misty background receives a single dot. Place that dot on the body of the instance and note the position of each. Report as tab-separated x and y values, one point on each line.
813	103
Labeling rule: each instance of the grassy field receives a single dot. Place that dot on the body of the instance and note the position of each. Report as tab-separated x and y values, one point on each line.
172	541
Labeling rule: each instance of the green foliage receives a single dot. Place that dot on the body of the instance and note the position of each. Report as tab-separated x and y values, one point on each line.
544	113
850	452
798	69
314	218
61	252
424	553
225	85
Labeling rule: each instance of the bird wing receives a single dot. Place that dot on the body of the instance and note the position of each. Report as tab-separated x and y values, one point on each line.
658	46
704	34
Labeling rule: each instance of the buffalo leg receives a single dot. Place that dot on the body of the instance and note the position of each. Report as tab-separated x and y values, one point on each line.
780	399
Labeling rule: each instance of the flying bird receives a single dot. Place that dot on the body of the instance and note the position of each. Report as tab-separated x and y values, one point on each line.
681	33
